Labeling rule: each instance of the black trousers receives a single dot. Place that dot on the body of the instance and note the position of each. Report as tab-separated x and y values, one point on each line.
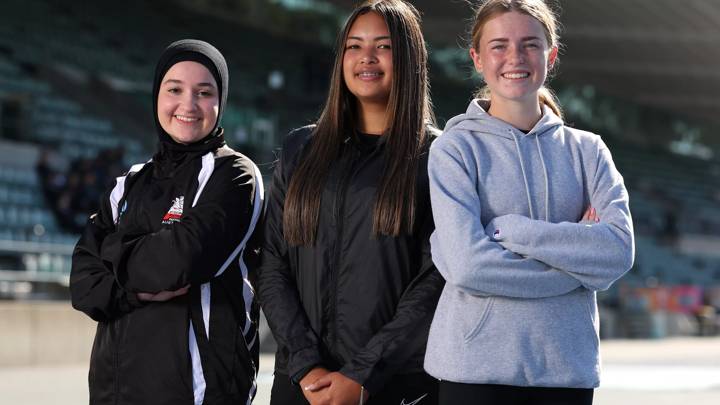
402	389
489	394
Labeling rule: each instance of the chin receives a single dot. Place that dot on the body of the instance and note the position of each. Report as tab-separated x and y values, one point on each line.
186	139
373	98
519	94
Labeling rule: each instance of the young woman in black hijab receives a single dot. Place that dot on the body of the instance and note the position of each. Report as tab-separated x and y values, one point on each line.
165	266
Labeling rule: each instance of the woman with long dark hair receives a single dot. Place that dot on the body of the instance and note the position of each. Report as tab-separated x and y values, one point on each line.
165	266
346	280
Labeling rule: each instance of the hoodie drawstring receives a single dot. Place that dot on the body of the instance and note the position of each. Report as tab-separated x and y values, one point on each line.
522	167
527	186
547	181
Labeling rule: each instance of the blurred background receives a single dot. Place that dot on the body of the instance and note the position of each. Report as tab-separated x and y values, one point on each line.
75	112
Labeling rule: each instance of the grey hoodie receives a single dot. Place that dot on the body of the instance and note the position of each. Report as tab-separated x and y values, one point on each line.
519	306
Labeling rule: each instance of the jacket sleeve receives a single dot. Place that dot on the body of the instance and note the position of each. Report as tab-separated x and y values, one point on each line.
202	244
390	348
277	288
595	254
93	287
463	253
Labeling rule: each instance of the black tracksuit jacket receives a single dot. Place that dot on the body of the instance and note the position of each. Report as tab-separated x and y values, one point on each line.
352	302
145	238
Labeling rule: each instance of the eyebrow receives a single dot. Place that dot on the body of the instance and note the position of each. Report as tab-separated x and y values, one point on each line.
375	39
174	81
507	40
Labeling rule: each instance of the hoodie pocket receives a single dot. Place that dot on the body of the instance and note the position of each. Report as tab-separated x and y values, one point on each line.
482	320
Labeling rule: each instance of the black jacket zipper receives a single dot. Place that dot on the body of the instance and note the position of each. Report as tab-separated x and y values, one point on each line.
335	268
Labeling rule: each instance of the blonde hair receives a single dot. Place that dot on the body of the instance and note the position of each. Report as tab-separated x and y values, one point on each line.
536	9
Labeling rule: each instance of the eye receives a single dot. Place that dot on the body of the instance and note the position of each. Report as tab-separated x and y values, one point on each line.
497	47
174	90
352	46
384	46
205	93
532	45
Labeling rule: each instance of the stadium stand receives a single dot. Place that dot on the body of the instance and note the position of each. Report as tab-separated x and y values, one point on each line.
75	82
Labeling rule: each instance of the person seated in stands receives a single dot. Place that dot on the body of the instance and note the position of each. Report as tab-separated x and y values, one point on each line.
74	193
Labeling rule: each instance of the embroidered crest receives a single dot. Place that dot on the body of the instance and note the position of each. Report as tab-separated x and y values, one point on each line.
175	212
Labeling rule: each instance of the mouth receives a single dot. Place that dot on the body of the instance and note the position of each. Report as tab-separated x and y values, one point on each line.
516	75
369	75
186	119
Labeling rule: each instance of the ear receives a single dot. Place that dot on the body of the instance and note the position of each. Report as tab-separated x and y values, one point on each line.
475	56
552	57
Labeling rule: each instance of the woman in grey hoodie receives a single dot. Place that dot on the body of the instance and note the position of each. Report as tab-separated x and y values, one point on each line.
531	220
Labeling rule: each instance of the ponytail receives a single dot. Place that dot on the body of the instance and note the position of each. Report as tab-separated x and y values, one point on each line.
547	97
483	93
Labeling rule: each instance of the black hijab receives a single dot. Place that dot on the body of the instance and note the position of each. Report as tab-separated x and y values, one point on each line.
170	154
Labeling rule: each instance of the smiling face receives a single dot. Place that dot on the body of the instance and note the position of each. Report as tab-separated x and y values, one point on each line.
367	60
513	56
188	102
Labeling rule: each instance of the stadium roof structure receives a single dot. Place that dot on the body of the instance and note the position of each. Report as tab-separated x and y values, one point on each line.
659	53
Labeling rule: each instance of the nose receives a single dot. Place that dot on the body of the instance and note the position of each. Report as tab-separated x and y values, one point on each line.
189	100
369	56
517	54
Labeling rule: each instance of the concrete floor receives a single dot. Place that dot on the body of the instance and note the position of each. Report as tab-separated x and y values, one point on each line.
682	371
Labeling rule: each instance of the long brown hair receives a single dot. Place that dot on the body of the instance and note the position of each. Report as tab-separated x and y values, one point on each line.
536	9
409	109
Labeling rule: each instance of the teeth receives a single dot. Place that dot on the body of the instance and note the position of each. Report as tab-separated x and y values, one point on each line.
186	119
369	74
516	75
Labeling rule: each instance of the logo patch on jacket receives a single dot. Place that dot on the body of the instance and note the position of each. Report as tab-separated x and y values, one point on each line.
175	212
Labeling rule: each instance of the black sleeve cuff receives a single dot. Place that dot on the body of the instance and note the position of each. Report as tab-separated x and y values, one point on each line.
297	377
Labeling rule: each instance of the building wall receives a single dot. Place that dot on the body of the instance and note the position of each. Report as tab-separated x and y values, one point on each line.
44	333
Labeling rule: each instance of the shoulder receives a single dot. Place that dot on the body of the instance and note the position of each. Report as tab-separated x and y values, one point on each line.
582	138
590	145
451	142
134	172
292	149
296	140
136	168
234	167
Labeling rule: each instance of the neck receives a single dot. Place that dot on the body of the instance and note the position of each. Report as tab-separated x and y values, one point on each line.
371	118
520	114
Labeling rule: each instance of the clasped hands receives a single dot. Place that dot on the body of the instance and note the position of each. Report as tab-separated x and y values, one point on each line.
323	387
163	295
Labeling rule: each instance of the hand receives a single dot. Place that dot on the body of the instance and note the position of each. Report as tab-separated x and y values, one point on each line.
314	397
336	389
590	215
163	295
